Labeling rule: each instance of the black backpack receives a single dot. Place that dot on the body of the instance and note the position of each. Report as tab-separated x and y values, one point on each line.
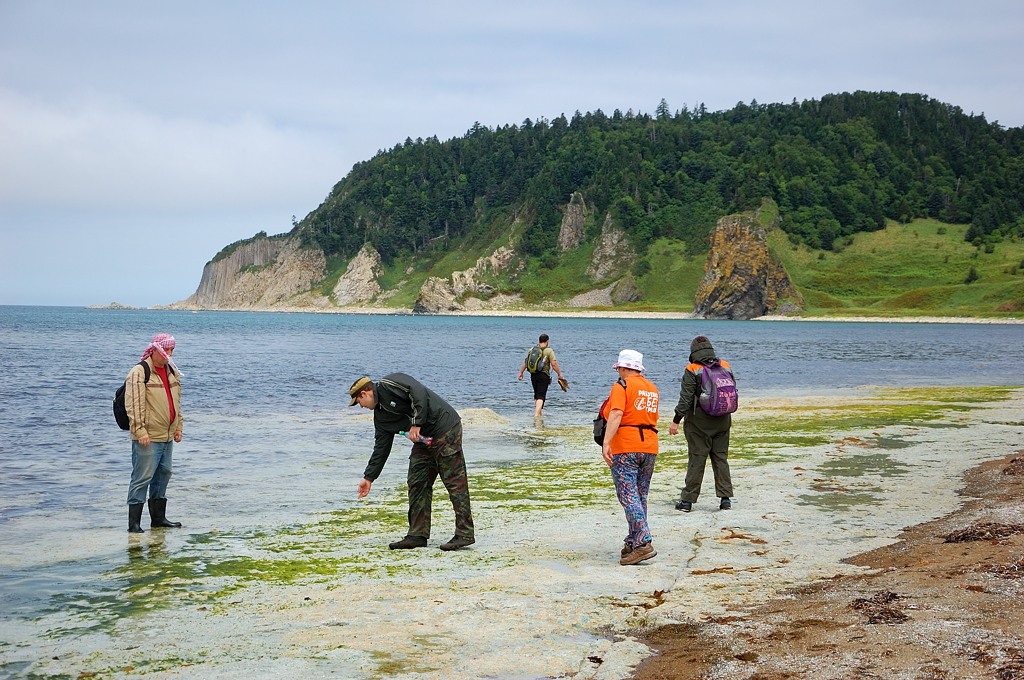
120	412
600	424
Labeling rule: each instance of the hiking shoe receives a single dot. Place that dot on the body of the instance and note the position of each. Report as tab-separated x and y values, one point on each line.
638	554
408	542
726	504
457	542
626	549
685	506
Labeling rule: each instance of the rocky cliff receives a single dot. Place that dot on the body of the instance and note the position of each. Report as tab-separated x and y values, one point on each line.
470	285
742	280
360	282
263	272
570	233
613	256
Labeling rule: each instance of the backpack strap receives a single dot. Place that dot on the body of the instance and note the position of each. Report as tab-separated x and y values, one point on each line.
145	370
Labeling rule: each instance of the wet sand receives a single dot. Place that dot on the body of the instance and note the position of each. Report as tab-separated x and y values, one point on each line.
945	601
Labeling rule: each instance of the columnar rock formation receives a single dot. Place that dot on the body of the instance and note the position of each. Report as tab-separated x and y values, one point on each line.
742	280
260	273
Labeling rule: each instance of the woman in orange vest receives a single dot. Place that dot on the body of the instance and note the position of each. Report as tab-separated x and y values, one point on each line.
630	448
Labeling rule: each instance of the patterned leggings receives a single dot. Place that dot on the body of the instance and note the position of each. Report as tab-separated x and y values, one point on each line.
632	474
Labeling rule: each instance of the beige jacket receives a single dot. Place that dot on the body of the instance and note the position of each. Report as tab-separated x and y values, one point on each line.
147	407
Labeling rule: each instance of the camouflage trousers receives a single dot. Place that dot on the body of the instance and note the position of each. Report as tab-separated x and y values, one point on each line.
443	457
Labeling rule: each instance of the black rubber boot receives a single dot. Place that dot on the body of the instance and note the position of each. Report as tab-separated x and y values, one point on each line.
157	514
135	518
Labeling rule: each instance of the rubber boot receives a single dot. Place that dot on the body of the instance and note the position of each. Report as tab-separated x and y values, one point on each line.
157	514
135	518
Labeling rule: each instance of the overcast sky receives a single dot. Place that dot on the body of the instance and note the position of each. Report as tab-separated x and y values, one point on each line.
139	138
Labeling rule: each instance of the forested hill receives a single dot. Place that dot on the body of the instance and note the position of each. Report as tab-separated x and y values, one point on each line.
835	166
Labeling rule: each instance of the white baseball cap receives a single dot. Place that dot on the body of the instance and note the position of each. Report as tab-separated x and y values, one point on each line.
630	358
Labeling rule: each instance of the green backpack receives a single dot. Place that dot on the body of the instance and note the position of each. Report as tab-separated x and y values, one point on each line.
536	359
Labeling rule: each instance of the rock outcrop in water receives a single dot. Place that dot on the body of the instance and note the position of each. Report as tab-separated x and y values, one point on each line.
742	279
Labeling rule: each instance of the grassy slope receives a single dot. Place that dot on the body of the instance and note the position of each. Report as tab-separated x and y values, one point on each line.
905	270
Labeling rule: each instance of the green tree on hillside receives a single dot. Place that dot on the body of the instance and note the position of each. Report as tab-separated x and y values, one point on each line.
835	166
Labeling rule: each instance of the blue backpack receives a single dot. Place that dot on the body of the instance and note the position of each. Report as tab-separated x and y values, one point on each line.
718	395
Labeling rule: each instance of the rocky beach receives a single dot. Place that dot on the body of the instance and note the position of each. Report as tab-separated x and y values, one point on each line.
281	571
943	601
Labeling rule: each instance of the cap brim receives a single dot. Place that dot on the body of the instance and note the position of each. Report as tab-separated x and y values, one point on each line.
354	400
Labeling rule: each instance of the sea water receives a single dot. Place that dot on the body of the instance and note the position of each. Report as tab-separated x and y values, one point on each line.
272	448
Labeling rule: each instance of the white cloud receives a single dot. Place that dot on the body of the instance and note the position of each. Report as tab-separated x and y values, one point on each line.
103	153
217	120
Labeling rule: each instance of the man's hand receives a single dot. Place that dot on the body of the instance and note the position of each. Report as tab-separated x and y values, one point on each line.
606	452
673	428
364	487
177	437
414	434
144	440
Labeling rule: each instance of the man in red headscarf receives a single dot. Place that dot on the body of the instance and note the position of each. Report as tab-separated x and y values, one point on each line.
152	398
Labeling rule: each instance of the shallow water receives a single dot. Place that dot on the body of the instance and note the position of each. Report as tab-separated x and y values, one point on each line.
281	571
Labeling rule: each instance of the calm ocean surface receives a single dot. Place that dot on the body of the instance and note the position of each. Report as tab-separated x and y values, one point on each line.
271	386
269	438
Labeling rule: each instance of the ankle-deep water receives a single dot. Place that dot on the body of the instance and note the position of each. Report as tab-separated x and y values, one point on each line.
846	432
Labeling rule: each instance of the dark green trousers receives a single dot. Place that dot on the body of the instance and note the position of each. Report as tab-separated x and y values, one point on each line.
442	458
706	438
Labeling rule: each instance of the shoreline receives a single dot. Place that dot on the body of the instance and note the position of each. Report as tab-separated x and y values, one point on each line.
582	314
301	591
943	599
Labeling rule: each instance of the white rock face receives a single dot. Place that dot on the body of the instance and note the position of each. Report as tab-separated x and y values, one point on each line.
613	256
442	295
470	280
359	283
570	234
263	273
436	295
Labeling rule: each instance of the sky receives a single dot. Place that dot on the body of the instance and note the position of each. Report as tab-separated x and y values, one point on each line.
138	139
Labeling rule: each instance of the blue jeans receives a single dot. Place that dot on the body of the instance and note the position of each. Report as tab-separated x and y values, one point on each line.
151	468
632	474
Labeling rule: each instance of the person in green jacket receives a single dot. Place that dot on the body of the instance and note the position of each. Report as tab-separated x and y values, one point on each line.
402	405
706	436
